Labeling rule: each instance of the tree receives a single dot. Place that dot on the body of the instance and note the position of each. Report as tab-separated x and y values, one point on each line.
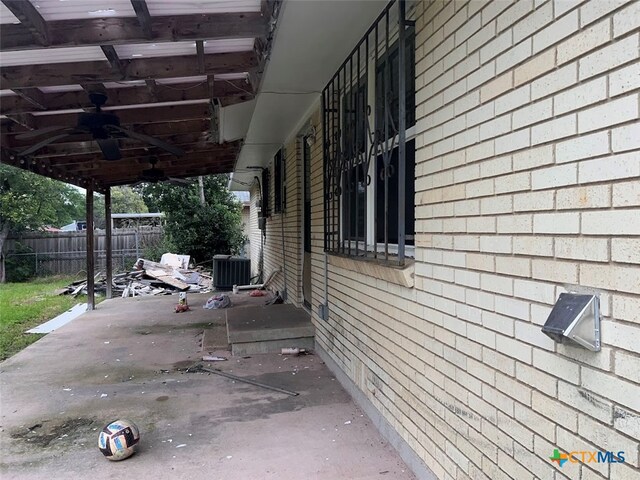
123	200
126	200
32	202
197	229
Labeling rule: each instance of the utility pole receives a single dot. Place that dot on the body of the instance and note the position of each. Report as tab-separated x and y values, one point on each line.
201	188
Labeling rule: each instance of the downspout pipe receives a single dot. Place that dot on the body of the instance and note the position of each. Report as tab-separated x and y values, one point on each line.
284	260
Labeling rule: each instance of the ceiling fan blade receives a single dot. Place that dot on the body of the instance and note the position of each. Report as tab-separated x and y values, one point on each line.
110	148
156	142
43	143
40	132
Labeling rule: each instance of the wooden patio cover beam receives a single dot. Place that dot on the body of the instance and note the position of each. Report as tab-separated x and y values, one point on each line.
101	173
23	76
144	19
132	115
128	178
198	166
139	155
112	57
69	151
32	97
32	23
158	92
161	129
127	30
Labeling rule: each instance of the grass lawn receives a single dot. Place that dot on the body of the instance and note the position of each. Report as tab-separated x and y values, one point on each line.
26	305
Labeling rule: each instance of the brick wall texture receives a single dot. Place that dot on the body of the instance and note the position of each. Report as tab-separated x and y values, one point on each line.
290	219
527	186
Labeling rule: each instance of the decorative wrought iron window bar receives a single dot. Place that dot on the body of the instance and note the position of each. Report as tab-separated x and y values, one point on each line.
367	107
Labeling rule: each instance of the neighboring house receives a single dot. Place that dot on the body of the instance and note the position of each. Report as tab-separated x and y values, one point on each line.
137	220
75	226
520	181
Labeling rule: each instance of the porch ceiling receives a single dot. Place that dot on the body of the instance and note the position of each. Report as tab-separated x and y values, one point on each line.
164	70
312	40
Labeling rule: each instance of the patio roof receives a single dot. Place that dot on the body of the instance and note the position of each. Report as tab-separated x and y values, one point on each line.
169	71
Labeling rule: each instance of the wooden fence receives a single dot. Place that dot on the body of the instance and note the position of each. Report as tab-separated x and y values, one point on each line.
64	253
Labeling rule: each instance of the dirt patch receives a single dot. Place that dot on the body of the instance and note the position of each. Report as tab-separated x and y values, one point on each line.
162	398
43	433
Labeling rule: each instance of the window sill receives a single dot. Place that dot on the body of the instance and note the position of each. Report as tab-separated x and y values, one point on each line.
399	275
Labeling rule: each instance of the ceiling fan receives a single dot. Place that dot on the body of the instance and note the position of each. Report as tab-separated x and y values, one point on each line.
103	126
155	175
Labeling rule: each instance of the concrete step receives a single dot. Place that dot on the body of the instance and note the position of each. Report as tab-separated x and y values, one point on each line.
267	329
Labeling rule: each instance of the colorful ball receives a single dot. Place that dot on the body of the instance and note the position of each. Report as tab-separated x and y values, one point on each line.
117	440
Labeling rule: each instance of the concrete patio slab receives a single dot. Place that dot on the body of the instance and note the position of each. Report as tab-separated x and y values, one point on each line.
267	329
125	360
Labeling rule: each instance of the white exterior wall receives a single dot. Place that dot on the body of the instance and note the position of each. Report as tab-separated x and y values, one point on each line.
273	255
255	234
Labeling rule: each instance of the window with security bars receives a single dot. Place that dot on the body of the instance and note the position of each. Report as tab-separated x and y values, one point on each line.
369	151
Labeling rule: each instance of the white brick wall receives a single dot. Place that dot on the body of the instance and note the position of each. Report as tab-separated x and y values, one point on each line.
528	185
555	99
273	258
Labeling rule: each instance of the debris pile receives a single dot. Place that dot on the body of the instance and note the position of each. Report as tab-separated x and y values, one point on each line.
148	278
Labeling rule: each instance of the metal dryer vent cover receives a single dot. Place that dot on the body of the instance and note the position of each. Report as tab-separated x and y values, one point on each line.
575	319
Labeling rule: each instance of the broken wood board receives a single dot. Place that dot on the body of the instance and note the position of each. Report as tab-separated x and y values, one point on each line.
169	280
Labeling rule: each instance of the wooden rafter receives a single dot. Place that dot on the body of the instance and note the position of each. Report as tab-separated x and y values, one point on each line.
101	170
153	92
87	87
113	59
33	96
101	173
163	129
132	115
141	151
123	30
30	19
152	88
144	19
200	54
67	152
222	165
181	118
22	76
11	158
219	160
26	120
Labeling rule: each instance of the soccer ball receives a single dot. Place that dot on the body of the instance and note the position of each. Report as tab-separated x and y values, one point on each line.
118	439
